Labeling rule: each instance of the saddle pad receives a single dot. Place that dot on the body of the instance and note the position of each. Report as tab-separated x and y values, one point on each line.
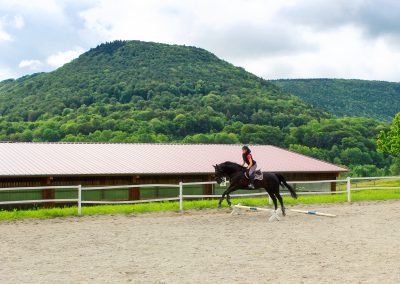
259	175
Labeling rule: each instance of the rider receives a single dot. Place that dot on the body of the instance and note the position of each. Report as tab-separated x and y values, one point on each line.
251	164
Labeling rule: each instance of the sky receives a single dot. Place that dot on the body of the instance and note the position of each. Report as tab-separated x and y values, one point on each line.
357	39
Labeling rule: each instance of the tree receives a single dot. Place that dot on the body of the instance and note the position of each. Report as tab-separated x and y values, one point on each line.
395	167
389	142
354	156
366	170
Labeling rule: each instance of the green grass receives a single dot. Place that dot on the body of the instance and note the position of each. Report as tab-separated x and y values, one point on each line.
370	183
384	194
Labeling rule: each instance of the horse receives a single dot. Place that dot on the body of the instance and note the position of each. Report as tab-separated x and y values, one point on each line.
237	180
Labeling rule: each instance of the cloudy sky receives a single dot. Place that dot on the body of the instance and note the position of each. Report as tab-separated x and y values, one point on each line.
273	39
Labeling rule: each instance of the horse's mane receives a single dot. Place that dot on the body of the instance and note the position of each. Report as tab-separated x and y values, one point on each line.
230	166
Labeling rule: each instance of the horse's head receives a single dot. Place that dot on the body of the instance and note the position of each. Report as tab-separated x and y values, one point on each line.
227	169
219	174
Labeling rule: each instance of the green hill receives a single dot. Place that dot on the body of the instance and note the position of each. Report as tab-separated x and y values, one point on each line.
375	99
132	91
149	88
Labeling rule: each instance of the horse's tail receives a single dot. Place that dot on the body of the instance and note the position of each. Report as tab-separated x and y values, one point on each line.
283	182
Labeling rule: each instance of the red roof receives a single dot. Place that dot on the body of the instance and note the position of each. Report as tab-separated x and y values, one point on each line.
44	159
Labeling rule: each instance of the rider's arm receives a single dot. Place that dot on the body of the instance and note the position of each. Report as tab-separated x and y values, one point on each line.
250	162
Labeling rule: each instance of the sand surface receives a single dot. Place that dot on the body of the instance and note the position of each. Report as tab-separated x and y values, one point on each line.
360	245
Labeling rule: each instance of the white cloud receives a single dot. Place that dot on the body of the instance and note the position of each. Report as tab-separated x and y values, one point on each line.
31	64
53	8
273	39
4	36
175	21
342	53
18	22
261	36
60	58
6	73
5	22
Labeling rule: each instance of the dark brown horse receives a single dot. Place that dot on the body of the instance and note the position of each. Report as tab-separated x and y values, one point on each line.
237	180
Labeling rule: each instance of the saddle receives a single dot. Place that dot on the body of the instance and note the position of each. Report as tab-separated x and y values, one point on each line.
257	175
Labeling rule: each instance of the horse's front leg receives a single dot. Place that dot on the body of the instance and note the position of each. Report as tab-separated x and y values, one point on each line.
223	196
228	197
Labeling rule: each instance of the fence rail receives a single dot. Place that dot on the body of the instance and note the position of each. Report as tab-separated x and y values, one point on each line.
80	189
130	201
38	187
38	201
129	186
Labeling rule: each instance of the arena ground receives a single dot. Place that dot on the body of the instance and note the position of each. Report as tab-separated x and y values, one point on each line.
360	245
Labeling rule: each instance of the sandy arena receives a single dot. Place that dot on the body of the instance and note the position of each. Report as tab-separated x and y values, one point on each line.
360	245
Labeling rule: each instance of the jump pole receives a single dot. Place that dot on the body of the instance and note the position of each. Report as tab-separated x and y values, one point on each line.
312	212
236	209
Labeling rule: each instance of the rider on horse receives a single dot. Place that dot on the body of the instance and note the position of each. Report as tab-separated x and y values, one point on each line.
251	165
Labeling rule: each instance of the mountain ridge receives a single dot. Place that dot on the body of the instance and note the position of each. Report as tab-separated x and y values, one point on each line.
352	97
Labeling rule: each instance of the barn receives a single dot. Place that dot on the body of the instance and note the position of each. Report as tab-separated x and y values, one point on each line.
98	164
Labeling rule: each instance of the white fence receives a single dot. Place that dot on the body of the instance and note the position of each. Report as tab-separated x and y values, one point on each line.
347	185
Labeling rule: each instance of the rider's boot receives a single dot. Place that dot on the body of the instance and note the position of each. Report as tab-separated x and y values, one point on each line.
251	182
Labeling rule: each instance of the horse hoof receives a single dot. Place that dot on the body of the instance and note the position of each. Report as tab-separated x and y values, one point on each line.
219	206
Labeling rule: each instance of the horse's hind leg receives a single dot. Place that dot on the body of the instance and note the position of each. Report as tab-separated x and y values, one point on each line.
281	202
274	200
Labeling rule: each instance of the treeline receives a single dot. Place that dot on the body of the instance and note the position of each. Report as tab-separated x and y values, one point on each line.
147	92
374	99
344	141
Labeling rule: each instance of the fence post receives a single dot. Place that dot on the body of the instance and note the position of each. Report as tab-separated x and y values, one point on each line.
348	189
79	200
180	196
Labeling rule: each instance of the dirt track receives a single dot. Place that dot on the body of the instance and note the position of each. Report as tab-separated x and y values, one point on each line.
361	245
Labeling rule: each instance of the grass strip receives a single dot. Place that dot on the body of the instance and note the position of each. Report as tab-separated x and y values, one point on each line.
365	195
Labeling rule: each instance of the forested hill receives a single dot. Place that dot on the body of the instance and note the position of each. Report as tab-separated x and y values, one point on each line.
132	91
376	99
148	92
124	72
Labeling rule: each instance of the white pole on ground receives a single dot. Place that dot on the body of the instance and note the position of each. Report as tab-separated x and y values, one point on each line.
79	200
274	214
252	208
313	213
348	189
180	196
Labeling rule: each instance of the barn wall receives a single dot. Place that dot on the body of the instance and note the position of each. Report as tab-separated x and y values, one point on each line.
98	180
136	179
115	194
309	176
312	177
123	193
